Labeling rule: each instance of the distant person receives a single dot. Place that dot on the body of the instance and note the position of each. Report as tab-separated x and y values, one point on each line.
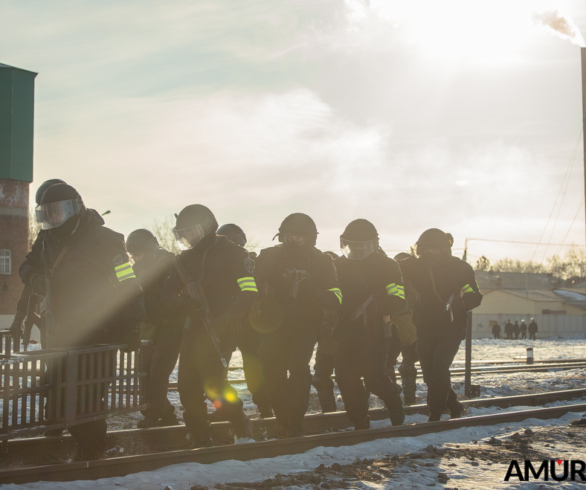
516	329
532	329
496	331
523	328
509	330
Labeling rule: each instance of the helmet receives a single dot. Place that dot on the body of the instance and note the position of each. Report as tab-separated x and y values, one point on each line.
359	240
60	203
194	223
434	238
44	186
297	230
402	256
141	240
234	233
434	246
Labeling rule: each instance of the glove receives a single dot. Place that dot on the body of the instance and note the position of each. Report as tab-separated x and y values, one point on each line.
16	327
189	306
37	282
131	336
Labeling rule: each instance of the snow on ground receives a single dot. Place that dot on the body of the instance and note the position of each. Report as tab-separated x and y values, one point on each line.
467	458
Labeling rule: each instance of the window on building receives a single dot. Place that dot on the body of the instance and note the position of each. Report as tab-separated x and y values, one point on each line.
5	262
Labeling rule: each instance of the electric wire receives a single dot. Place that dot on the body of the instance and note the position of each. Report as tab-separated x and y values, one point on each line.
570	165
580	208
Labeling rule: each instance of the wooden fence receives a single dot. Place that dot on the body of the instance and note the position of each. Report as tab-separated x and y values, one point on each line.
49	389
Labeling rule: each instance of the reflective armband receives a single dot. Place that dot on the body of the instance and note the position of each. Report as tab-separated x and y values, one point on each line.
468	288
247	284
124	272
337	292
396	290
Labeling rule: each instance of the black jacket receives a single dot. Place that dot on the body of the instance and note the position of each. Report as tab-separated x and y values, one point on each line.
227	279
452	276
378	276
496	329
94	294
152	275
317	292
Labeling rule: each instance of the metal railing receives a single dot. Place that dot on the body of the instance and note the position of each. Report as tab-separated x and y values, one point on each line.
41	390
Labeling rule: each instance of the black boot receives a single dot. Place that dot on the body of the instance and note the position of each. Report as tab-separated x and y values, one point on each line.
295	428
457	411
434	417
148	422
169	419
325	394
200	437
409	387
395	408
362	424
242	426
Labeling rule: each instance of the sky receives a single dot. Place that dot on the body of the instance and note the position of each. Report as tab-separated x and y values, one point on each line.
465	116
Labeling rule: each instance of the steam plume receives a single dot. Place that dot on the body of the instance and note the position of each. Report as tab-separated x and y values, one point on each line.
563	27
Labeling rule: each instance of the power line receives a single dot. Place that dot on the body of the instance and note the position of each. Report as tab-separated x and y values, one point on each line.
570	165
580	208
523	243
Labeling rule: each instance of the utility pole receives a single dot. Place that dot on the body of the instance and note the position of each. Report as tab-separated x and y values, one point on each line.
583	64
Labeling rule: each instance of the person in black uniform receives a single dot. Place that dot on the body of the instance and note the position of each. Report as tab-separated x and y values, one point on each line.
532	329
152	266
516	330
323	368
447	290
523	330
509	330
373	291
249	340
28	267
225	273
496	331
297	282
406	345
93	295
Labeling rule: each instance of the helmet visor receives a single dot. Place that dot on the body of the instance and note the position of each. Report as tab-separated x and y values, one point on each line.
357	250
188	238
290	240
54	214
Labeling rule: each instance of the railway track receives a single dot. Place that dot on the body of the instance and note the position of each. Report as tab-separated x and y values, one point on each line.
167	445
457	372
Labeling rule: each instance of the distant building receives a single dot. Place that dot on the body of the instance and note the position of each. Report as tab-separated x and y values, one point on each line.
17	89
518	296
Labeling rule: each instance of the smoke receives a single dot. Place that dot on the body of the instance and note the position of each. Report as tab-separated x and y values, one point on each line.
563	27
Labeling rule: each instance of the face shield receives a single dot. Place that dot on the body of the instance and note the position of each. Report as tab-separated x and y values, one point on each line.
54	214
293	241
188	238
358	250
432	256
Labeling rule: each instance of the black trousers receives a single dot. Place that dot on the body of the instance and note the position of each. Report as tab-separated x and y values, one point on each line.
289	349
436	349
249	342
497	336
165	352
523	335
362	352
532	336
322	379
201	375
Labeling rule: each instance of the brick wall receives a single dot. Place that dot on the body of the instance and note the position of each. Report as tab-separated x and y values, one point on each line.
14	208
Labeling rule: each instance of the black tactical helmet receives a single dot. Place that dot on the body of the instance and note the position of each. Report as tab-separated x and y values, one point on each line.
234	233
359	240
44	186
360	230
402	256
141	240
193	223
60	203
298	230
435	238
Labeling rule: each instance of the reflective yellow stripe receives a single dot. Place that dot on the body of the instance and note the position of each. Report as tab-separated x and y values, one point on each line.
338	293
247	284
396	290
467	289
124	272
